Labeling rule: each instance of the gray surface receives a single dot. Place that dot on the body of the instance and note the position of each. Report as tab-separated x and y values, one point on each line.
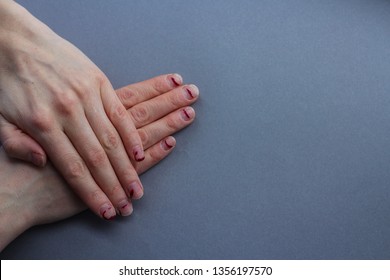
290	155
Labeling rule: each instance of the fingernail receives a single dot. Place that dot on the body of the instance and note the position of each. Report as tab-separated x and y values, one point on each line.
138	153
107	212
37	159
187	113
191	92
135	190
176	79
125	208
168	143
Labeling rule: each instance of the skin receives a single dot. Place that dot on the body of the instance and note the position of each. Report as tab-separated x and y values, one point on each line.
68	111
32	196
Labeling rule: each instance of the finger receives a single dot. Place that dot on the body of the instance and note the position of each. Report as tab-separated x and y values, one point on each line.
97	155
139	92
67	160
168	125
153	109
156	153
19	145
110	141
122	122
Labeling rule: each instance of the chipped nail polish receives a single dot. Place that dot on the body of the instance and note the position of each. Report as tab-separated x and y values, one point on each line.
168	143
138	154
191	92
176	79
187	113
125	208
107	212
131	194
135	190
188	94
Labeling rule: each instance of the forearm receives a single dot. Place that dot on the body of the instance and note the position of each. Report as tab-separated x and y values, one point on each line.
11	225
14	219
31	196
14	18
20	32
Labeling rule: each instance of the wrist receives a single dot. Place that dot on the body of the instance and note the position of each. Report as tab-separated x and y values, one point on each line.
12	16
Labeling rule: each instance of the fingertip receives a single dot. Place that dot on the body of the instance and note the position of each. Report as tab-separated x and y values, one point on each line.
175	79
168	143
136	190
125	208
38	159
156	153
187	114
107	211
26	149
191	92
138	153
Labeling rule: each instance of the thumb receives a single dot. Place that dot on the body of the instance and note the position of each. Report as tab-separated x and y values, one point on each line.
18	144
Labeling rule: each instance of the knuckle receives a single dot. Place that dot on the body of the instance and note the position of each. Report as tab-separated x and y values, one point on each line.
84	86
119	112
140	114
100	78
127	96
66	104
41	120
75	169
110	141
96	157
96	195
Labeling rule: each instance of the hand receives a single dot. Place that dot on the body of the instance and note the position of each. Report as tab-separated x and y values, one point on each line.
51	92
30	196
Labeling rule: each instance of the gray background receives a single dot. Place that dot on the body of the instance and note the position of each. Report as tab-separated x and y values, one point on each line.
289	157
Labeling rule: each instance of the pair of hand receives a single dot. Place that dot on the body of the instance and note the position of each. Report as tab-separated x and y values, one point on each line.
30	196
55	102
